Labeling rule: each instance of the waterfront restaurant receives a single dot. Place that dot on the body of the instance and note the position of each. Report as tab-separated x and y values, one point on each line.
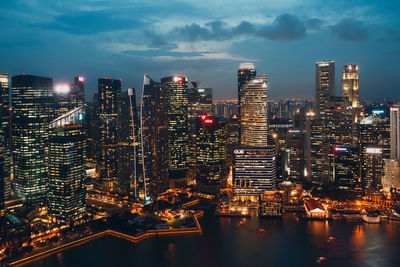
314	209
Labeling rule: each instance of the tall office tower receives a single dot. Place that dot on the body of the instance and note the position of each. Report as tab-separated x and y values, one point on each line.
245	73
375	129
5	137
127	145
391	175
33	106
178	129
232	135
210	155
254	172
155	135
254	113
325	85
93	132
314	144
350	84
200	103
337	130
371	167
225	108
346	165
108	112
69	96
296	155
67	166
395	132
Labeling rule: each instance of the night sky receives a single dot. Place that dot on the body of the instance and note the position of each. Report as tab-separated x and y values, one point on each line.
205	40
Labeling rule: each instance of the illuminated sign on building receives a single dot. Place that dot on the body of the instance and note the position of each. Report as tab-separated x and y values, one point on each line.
378	111
373	150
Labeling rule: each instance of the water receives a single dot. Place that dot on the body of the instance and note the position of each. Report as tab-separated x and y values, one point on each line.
224	242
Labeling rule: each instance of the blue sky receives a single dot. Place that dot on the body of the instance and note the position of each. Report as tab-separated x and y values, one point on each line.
205	40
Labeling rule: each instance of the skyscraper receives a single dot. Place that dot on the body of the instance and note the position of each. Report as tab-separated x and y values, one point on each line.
245	73
67	166
254	113
372	167
155	134
346	166
254	171
108	112
33	106
69	96
5	144
350	84
395	132
178	129
325	85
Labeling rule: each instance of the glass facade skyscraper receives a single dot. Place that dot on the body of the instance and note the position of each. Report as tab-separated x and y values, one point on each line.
33	106
67	166
5	144
325	85
351	84
108	91
178	129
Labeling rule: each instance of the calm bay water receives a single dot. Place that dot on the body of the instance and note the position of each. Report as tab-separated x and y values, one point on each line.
224	242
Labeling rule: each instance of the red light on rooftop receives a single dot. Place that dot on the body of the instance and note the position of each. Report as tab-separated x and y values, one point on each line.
81	79
203	117
208	121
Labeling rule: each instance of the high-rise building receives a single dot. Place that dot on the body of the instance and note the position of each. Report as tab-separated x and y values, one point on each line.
245	73
108	91
325	85
127	144
346	165
296	155
391	174
69	96
371	166
254	171
350	84
5	137
210	154
178	129
155	134
375	129
395	132
67	166
33	106
254	113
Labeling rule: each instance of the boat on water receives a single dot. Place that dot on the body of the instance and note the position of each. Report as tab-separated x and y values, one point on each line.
260	231
321	259
330	239
372	216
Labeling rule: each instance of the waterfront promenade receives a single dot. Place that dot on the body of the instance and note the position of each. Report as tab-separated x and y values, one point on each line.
132	238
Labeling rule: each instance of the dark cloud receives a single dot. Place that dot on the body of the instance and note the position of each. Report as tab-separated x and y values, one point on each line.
350	30
87	23
313	24
284	28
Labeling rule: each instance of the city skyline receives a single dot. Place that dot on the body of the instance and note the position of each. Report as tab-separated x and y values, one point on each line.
127	39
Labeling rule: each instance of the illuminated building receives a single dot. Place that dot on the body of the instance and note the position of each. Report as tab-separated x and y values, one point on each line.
127	146
346	165
232	135
350	84
69	96
245	73
372	166
225	108
314	209
33	109
108	90
395	132
210	154
254	113
270	204
375	129
178	129
254	171
5	143
337	130
295	155
325	85
67	166
391	174
155	134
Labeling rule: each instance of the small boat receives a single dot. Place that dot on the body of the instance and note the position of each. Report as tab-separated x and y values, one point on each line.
242	222
260	231
331	239
321	259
